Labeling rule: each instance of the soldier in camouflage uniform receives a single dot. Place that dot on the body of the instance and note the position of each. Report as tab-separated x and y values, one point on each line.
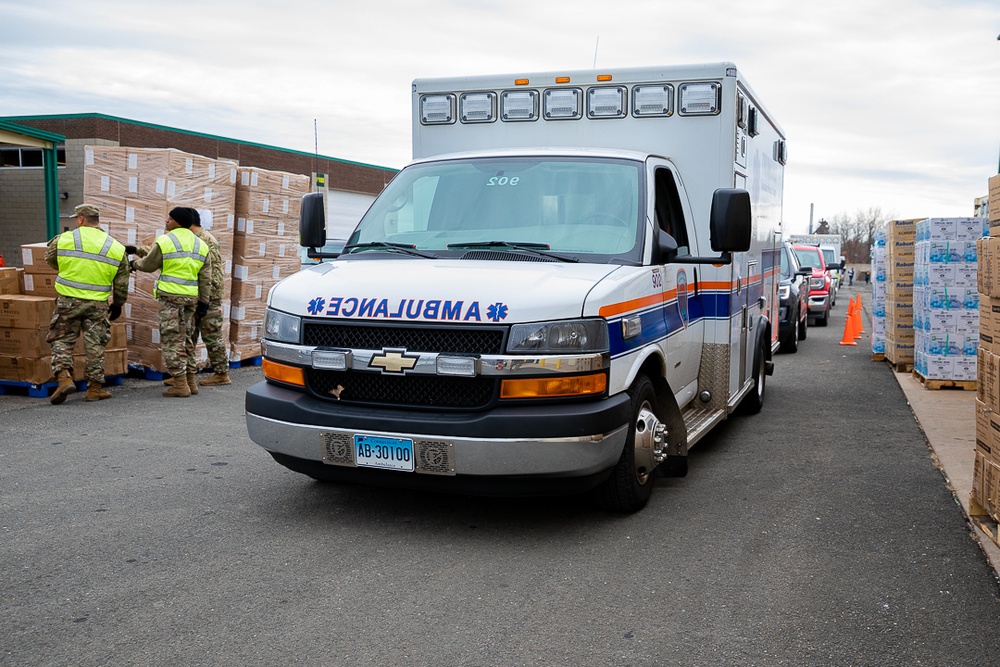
92	266
183	290
210	326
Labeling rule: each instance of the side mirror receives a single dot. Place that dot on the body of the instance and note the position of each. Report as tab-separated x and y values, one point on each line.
730	220
312	221
729	227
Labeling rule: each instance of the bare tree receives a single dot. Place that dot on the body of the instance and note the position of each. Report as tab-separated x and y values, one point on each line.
857	232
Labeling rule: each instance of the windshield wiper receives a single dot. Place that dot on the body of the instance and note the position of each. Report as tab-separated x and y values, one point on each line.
536	248
385	245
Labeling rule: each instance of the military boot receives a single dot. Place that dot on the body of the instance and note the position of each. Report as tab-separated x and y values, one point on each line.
66	387
95	391
192	383
179	389
216	380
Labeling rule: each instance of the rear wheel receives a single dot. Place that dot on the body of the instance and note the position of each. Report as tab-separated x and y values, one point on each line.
754	401
631	483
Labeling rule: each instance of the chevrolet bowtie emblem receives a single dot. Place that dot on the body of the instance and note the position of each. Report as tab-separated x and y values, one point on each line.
393	361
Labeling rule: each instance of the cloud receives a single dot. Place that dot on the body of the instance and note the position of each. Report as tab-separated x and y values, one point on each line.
890	104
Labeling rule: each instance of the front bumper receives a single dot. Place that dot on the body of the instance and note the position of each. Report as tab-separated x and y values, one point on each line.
561	440
818	304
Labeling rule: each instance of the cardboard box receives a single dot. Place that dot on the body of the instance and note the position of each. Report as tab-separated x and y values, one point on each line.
40	284
24	311
11	280
32	343
33	258
994	202
38	370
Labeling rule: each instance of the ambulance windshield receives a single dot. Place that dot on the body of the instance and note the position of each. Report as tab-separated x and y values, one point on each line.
584	208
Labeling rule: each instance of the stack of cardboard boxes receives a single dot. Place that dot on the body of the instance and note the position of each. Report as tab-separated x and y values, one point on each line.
25	356
878	273
985	497
266	249
946	298
135	188
900	240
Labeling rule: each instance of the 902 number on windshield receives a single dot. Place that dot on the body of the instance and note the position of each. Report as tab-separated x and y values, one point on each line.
497	181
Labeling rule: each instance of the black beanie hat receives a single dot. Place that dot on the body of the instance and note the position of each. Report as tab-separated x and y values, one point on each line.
182	216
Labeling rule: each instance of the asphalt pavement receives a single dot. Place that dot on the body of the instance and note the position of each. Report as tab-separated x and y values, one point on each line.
827	530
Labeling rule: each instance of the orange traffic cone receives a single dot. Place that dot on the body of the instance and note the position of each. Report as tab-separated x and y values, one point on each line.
859	321
848	337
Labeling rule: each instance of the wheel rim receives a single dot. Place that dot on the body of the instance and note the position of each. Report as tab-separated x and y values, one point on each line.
645	426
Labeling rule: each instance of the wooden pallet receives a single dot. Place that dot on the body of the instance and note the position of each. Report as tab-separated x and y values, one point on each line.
878	356
980	516
966	385
900	366
251	361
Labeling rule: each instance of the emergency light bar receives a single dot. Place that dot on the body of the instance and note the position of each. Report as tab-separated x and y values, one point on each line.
477	107
562	103
700	99
519	105
437	109
653	100
606	102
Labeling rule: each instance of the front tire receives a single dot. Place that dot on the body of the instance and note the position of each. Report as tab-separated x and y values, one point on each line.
803	327
628	488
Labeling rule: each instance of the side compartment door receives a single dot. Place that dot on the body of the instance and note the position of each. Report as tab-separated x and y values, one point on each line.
682	311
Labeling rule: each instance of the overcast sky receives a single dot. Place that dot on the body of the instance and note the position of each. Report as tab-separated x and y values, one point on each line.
885	103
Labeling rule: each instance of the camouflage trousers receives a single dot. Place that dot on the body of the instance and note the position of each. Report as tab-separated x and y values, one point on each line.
176	326
71	318
210	330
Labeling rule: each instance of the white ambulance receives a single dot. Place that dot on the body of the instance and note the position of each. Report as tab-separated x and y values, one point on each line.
569	286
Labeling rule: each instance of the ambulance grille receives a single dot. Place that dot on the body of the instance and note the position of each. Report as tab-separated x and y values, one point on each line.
406	391
416	338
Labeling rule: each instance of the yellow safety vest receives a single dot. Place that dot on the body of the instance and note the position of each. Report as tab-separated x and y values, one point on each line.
88	262
183	256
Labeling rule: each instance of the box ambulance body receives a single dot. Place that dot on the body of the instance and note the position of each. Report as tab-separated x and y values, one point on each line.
573	282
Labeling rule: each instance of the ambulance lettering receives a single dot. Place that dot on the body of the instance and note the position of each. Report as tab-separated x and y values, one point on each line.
405	309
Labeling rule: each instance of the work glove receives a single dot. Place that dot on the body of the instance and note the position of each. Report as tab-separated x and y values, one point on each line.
114	312
200	311
131	249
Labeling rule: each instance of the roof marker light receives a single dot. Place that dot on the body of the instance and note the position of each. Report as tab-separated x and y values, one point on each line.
520	82
562	79
604	77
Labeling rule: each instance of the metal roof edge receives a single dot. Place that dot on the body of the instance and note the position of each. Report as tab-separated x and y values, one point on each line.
14	119
7	124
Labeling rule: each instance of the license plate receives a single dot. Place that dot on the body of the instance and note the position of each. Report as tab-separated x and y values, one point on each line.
372	451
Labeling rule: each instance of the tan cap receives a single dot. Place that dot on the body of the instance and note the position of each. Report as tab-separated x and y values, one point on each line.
87	210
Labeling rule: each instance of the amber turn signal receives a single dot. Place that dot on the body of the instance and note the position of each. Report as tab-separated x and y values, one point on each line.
282	373
555	387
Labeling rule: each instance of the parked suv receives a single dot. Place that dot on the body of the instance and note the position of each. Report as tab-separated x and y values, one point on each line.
793	293
820	285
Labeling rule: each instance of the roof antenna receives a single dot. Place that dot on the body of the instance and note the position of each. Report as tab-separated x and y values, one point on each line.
597	45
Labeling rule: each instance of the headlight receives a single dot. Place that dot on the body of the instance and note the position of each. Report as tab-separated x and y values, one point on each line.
817	283
784	291
566	336
282	326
